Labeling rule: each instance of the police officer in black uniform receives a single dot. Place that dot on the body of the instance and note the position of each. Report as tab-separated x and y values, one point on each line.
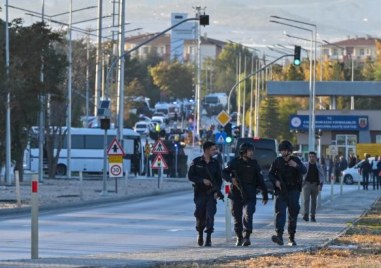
286	174
245	175
205	173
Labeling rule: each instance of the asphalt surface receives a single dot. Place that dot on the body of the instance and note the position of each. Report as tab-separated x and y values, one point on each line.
332	220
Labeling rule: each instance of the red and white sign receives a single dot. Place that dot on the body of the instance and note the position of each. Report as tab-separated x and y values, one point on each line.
159	148
115	148
159	162
115	170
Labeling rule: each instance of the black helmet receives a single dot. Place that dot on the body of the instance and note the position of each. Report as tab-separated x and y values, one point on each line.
245	147
285	145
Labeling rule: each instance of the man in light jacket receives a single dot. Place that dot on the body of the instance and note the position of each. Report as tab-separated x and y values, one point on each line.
312	184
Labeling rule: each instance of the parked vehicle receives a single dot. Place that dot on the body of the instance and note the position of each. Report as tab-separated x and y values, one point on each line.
215	102
352	175
87	151
143	127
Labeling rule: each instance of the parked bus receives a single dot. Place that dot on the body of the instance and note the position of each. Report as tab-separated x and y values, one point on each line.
87	151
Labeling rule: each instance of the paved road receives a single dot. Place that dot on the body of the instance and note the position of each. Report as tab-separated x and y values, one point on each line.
144	229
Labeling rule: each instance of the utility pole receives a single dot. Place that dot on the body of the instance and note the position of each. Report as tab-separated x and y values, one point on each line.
8	113
69	89
98	67
198	87
122	14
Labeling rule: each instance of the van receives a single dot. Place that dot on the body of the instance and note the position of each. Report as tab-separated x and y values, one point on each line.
266	150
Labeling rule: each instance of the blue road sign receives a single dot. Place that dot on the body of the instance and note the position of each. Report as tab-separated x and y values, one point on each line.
220	137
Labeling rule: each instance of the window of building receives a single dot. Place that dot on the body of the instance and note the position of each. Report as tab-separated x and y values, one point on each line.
362	52
378	138
334	51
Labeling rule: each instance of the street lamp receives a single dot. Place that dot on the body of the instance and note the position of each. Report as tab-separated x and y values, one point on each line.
311	125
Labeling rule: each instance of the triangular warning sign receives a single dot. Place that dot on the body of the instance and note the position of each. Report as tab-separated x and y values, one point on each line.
221	139
159	162
159	148
115	148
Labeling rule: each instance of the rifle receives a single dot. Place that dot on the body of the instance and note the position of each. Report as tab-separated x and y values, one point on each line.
215	189
239	187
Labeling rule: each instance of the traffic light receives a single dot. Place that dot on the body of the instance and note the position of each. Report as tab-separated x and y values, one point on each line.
204	20
297	55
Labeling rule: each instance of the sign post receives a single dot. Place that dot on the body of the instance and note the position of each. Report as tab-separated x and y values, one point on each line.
115	154
34	218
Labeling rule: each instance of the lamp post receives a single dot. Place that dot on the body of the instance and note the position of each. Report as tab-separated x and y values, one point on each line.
312	82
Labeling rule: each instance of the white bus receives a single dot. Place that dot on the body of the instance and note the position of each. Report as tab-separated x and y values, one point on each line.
87	151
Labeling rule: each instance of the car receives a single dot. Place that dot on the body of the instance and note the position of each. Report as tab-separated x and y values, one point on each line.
158	120
352	175
143	127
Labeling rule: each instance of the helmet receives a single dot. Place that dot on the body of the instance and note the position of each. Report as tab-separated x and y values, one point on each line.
245	147
285	145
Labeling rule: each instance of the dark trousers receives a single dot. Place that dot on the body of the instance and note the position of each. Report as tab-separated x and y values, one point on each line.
283	202
374	178
378	183
243	215
365	180
206	208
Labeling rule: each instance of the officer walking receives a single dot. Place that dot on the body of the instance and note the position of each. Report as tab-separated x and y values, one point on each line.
313	182
245	175
286	173
205	173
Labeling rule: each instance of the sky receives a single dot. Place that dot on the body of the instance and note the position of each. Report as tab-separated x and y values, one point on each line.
241	21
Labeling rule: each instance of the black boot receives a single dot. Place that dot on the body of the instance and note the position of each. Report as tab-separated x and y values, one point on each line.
313	219
305	217
291	240
278	239
239	239
200	239
246	240
208	241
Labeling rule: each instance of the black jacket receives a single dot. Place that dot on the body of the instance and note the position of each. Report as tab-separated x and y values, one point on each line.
249	182
289	176
200	170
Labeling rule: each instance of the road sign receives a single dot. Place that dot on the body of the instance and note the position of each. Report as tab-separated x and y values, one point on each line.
220	137
115	158
223	118
115	170
159	162
159	148
115	148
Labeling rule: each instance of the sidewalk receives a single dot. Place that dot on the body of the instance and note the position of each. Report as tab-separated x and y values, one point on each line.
332	219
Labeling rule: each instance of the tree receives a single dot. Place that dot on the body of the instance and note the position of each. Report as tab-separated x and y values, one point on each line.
30	47
173	79
269	118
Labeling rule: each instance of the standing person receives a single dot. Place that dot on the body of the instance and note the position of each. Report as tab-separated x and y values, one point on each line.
286	174
245	175
313	182
336	169
352	160
374	171
378	184
205	173
343	164
365	171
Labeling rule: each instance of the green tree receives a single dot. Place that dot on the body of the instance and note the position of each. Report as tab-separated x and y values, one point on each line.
173	79
29	47
269	118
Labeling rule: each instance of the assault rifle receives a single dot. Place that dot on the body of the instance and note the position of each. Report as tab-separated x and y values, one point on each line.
215	188
239	187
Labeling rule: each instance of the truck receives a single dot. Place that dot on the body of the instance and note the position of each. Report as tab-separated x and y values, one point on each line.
371	149
215	102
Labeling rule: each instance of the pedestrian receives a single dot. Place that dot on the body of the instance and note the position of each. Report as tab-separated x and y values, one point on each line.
352	160
286	174
374	171
205	173
313	182
378	184
343	164
245	175
336	169
365	171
